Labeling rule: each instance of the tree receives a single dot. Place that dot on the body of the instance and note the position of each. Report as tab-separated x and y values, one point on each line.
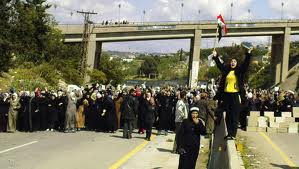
149	66
112	68
262	79
213	72
97	76
32	30
6	45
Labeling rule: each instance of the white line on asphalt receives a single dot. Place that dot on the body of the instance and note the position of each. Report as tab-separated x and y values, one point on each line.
27	144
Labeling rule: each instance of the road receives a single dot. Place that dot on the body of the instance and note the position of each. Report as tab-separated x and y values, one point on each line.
54	150
273	150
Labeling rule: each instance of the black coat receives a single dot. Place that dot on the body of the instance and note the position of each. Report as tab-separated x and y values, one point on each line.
25	120
52	115
165	112
4	108
110	115
188	139
129	108
149	114
239	72
35	113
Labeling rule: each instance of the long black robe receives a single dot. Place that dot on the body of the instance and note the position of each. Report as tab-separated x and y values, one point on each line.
24	119
4	108
62	102
110	115
35	113
165	113
43	110
52	113
188	139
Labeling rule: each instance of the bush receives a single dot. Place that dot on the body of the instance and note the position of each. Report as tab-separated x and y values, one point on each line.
97	76
27	79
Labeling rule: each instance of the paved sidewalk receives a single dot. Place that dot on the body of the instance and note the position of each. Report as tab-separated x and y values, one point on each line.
157	154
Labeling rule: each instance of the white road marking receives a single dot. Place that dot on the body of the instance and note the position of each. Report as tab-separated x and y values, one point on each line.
27	144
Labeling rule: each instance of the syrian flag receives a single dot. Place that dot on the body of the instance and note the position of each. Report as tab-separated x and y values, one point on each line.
222	29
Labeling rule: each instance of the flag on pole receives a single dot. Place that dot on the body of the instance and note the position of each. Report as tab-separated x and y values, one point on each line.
222	29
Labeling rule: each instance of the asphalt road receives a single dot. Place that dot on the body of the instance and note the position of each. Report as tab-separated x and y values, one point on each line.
54	150
279	154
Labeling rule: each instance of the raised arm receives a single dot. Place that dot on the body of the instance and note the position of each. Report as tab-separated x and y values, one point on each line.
220	65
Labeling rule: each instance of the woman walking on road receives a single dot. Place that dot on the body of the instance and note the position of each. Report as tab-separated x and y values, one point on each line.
149	114
188	139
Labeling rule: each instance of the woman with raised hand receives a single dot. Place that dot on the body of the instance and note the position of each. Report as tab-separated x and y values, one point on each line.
232	91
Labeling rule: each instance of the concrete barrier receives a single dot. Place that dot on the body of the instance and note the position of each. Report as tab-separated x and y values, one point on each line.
224	153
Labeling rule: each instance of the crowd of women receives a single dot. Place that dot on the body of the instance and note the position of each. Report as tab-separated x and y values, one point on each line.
90	109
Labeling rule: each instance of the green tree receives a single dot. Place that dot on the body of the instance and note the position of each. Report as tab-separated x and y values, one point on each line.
263	78
112	68
32	30
6	45
213	72
149	66
97	76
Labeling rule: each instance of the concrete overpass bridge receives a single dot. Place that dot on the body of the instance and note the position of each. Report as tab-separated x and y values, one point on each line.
280	30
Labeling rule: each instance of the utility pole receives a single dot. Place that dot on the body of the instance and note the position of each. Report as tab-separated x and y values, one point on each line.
85	39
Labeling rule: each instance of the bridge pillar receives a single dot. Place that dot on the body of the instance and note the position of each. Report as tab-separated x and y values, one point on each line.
91	50
280	55
286	54
194	59
98	54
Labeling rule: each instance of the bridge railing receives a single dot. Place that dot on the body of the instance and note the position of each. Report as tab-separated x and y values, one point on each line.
158	23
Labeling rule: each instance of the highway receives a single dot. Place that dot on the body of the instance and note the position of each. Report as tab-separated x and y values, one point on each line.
272	150
54	150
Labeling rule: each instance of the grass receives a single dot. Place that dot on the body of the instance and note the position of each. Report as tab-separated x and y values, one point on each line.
245	153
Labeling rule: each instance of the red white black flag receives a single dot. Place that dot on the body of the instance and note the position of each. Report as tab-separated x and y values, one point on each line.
222	29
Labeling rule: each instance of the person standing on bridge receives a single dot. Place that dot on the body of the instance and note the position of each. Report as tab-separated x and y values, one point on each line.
232	90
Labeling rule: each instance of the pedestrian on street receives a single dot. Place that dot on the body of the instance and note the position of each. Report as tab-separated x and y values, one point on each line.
70	115
188	139
128	114
4	108
181	113
149	114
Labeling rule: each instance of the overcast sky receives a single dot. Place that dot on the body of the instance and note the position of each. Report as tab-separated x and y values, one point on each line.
64	12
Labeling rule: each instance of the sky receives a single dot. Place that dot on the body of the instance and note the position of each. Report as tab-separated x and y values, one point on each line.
64	12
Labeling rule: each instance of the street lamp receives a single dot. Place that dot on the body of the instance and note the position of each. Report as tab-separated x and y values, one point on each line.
231	11
119	6
249	14
144	12
199	14
281	15
182	6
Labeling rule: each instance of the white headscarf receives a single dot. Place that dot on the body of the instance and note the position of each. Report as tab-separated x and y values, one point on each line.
15	95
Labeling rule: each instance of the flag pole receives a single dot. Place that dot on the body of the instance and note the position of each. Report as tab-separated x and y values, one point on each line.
215	38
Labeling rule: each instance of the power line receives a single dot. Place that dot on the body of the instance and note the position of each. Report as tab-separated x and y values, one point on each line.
85	39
